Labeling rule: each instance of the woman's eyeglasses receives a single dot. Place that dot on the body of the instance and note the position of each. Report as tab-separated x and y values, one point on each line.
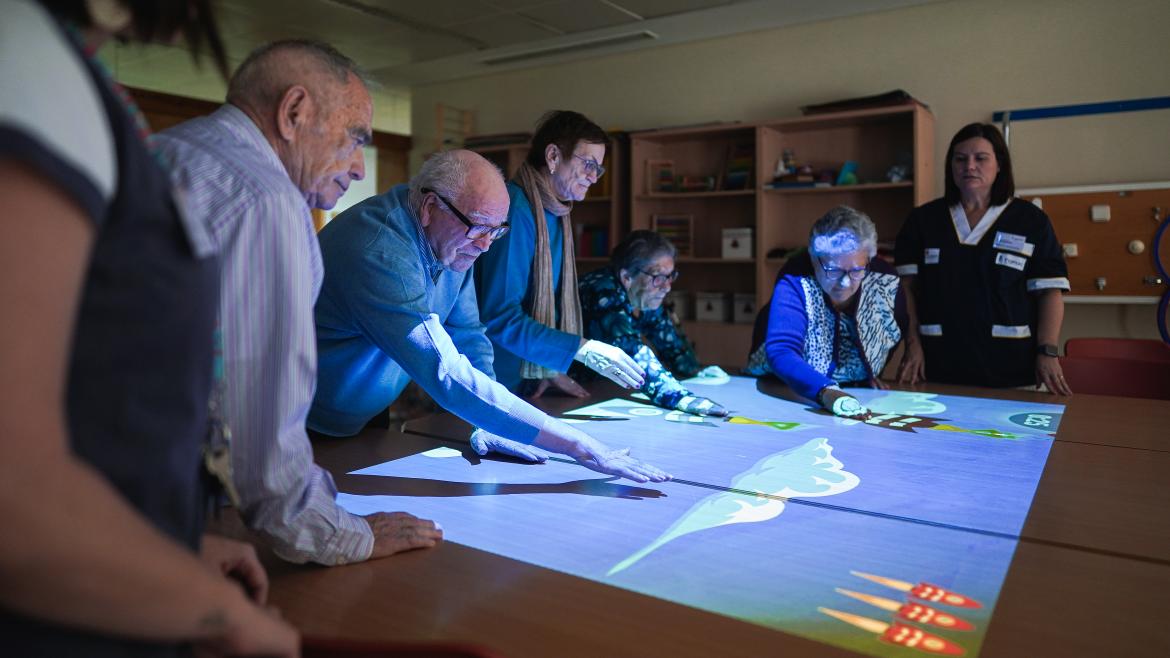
837	273
591	166
661	279
474	231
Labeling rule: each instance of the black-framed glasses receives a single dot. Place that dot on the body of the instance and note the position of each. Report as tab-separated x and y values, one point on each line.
592	167
474	231
838	273
660	279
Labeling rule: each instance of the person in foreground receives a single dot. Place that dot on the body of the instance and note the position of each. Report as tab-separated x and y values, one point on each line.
986	274
834	314
109	299
398	304
527	284
622	305
289	138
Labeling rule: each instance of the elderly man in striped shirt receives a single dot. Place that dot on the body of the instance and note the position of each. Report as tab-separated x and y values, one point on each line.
289	138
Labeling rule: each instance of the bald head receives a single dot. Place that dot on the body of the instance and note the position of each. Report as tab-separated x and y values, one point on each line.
465	182
270	70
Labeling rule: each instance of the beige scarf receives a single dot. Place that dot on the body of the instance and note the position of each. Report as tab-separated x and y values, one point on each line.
540	196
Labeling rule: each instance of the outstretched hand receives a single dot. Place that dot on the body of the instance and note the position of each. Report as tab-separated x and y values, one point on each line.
560	382
611	362
700	406
620	463
483	442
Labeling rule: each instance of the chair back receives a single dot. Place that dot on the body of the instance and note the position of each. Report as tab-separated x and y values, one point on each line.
1137	349
1122	377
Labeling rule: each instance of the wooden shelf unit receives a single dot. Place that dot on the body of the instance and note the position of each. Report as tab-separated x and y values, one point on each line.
876	139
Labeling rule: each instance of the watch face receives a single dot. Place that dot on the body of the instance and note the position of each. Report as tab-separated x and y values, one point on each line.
1048	350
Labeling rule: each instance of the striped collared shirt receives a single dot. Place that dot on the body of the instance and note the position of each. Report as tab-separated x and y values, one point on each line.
272	273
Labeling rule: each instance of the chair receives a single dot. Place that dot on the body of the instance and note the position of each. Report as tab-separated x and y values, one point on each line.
1134	349
1121	377
319	647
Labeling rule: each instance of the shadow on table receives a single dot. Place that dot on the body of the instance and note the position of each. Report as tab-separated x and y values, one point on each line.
382	485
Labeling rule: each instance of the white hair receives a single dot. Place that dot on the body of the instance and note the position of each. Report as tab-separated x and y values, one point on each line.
840	231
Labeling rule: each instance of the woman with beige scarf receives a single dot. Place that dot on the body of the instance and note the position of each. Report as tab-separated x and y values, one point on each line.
527	281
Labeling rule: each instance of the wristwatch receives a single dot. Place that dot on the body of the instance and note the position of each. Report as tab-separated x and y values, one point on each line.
1047	349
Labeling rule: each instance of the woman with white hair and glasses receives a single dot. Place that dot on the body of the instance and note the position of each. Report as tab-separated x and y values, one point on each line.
835	314
621	305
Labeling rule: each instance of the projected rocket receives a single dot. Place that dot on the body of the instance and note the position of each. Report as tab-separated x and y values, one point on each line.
900	634
924	591
915	612
806	471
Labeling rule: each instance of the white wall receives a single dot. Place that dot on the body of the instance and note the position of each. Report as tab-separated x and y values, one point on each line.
966	59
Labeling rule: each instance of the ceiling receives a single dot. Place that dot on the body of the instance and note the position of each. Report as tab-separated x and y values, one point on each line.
404	44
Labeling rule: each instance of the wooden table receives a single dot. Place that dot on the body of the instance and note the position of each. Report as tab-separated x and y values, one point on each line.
1090	574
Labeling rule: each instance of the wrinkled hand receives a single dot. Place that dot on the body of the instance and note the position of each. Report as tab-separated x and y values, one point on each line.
912	369
236	560
395	532
483	441
712	372
842	404
562	383
612	362
256	631
621	464
1049	373
700	406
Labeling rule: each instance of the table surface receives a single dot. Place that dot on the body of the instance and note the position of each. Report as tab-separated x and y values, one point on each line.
1090	574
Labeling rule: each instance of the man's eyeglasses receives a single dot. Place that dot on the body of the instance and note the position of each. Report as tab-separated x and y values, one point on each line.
661	279
474	231
591	166
837	273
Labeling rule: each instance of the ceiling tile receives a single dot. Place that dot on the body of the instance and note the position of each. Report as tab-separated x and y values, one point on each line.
503	30
577	16
656	8
435	12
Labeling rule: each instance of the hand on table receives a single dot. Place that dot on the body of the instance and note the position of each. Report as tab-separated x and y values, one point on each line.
395	532
912	369
238	561
842	404
712	372
700	406
620	463
483	442
1049	373
562	383
253	631
612	362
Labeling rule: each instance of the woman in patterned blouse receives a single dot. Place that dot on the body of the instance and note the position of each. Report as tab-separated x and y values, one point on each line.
622	305
833	318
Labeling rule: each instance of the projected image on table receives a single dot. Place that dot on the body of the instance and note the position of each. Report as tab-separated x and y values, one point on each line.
886	540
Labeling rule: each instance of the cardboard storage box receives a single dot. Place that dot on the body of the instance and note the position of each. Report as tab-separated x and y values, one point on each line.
712	307
744	310
737	243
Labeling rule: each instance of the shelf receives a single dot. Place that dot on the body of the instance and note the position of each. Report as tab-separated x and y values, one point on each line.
693	195
696	260
904	185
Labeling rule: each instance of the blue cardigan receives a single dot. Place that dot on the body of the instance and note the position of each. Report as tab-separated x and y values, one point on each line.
801	338
502	277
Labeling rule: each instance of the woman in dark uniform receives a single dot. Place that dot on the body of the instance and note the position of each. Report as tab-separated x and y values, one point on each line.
986	275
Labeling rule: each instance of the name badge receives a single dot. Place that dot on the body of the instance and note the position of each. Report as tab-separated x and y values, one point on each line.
1013	242
930	257
1009	260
